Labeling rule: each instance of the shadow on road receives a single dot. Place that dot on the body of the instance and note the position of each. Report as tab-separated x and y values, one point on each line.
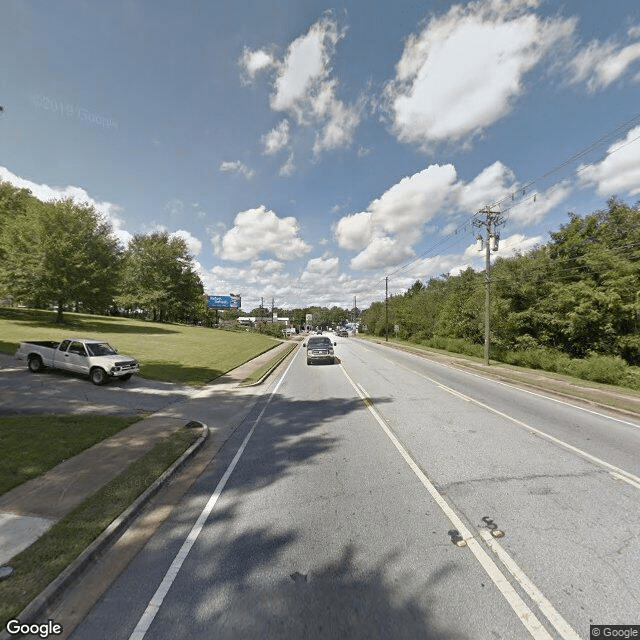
234	597
250	581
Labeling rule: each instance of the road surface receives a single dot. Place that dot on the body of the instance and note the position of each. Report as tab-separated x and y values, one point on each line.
361	500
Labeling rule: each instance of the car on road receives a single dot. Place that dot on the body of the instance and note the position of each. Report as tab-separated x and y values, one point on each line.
320	349
342	333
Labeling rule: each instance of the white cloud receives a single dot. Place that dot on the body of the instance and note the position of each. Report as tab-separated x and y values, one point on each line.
463	71
288	168
536	205
45	193
385	233
257	231
339	129
254	61
601	63
619	172
380	252
325	266
354	231
193	244
489	186
267	266
413	201
305	65
237	167
277	138
303	87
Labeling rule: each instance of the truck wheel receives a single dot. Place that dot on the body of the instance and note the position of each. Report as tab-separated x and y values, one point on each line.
98	376
35	364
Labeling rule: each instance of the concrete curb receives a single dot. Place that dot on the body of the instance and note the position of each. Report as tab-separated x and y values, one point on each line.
268	372
36	611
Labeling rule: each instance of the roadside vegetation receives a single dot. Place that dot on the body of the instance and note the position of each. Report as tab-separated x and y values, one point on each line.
30	445
36	566
571	306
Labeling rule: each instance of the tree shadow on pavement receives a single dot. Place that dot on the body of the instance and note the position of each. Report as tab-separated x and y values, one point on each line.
248	581
236	596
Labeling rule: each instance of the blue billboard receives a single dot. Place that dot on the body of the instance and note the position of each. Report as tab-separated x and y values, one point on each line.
224	302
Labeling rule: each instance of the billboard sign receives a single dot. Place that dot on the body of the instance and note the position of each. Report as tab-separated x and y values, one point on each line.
224	302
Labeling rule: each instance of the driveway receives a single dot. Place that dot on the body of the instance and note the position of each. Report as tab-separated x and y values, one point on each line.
59	392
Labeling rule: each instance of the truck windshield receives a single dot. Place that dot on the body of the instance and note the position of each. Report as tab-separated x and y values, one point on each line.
100	349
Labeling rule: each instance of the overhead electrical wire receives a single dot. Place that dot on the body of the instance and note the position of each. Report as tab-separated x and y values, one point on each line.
626	126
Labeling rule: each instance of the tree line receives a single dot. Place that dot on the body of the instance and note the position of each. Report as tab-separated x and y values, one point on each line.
65	255
577	296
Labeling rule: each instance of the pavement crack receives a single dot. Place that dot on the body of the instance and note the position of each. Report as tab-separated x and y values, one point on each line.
523	478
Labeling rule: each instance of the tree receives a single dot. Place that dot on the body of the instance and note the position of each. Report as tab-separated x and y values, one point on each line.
158	276
59	253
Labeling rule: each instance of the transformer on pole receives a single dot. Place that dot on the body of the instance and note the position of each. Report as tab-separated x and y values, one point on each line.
490	223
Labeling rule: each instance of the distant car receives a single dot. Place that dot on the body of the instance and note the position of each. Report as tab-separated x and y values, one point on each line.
320	349
342	333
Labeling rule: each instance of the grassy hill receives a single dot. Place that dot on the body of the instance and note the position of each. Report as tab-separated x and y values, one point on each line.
170	352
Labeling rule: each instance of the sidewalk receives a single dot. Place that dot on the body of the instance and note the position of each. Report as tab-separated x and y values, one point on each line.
30	509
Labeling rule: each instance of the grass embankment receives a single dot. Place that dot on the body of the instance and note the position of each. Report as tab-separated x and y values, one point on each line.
43	561
167	352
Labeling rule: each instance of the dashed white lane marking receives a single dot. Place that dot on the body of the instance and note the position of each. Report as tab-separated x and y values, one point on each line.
158	597
524	613
549	611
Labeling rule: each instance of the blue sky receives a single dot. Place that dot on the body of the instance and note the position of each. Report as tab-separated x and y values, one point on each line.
304	150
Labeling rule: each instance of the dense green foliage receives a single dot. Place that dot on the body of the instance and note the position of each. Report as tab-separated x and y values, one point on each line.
158	276
577	297
64	255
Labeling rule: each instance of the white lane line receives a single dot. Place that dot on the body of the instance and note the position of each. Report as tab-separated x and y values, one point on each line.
523	612
626	475
158	597
568	404
511	386
617	476
560	624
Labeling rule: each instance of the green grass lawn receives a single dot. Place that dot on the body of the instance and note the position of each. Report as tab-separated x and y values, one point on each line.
31	445
36	566
168	352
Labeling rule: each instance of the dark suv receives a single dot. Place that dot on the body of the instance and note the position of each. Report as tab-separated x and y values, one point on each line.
319	349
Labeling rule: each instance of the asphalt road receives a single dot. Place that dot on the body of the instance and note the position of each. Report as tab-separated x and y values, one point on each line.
55	391
330	513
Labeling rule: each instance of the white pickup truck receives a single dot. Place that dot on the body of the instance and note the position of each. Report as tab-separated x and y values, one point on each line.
95	358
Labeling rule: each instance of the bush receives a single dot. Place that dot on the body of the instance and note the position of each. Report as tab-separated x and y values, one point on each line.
597	368
270	328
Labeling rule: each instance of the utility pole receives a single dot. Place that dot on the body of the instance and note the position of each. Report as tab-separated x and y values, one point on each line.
272	305
491	222
386	308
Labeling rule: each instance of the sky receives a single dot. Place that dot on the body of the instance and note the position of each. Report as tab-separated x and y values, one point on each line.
306	151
